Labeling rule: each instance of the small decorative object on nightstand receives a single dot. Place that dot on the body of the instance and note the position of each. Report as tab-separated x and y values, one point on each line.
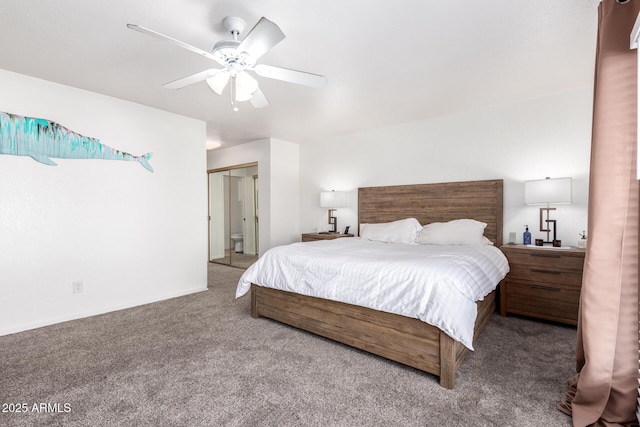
543	282
310	237
582	243
526	236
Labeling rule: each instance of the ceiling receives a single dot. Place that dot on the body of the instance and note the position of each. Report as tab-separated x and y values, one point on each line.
386	63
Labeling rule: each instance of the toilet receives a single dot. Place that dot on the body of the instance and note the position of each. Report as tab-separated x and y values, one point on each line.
237	241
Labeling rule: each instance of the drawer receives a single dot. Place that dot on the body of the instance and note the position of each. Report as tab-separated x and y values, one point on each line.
541	258
547	275
554	303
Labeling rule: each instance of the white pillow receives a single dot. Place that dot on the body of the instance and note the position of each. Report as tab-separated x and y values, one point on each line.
401	231
486	241
456	232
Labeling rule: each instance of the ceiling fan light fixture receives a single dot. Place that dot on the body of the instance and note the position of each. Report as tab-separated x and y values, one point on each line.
218	82
242	96
245	86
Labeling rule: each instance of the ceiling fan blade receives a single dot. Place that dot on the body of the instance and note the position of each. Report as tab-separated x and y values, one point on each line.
291	76
173	41
189	80
258	100
262	37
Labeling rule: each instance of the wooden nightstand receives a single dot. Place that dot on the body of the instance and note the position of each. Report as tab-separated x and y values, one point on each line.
542	282
310	237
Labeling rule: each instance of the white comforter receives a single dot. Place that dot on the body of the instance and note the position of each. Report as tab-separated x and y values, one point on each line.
436	284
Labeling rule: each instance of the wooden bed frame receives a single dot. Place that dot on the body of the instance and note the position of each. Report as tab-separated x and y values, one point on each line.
402	339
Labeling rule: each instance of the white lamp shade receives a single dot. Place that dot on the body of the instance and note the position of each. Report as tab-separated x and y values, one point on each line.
219	81
333	199
548	190
245	86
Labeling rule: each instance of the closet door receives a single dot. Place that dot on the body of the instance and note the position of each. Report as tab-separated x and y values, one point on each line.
217	237
233	216
249	216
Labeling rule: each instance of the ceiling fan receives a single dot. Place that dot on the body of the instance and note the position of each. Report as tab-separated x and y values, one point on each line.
236	58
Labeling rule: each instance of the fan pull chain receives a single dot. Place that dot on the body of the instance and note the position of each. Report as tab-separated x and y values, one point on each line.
233	93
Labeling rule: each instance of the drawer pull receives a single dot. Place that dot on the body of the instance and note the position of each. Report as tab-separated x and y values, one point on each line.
546	288
535	270
546	255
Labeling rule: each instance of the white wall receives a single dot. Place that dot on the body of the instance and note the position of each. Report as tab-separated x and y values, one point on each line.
131	236
541	137
285	190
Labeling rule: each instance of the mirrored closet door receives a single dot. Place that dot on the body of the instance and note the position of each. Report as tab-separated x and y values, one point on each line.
233	215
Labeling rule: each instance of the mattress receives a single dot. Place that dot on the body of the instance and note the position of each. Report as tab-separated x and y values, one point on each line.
438	284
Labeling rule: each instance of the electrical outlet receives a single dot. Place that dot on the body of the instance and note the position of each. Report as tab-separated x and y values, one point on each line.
77	286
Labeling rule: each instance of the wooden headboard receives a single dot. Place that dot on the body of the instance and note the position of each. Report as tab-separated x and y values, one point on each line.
479	200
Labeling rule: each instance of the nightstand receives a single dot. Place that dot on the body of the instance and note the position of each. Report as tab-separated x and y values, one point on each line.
542	282
310	237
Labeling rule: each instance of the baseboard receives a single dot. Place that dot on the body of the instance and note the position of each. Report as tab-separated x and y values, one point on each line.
101	310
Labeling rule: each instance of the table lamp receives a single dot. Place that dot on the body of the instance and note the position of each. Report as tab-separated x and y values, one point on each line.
547	191
333	200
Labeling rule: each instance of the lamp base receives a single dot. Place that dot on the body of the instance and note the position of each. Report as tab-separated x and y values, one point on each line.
547	220
333	222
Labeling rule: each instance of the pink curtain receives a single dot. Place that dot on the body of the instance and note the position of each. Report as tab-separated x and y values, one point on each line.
604	391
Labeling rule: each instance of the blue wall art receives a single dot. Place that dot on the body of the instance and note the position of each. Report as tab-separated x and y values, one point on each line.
42	139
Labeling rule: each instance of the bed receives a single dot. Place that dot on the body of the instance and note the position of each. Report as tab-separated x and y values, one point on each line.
403	339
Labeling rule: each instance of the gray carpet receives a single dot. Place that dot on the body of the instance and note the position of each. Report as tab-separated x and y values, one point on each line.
201	360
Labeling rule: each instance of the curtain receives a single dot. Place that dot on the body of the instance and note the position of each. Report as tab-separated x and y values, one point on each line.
604	391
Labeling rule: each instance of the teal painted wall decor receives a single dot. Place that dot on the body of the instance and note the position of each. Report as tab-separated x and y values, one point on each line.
42	139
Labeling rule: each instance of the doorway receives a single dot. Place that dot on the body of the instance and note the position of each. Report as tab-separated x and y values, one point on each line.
233	215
